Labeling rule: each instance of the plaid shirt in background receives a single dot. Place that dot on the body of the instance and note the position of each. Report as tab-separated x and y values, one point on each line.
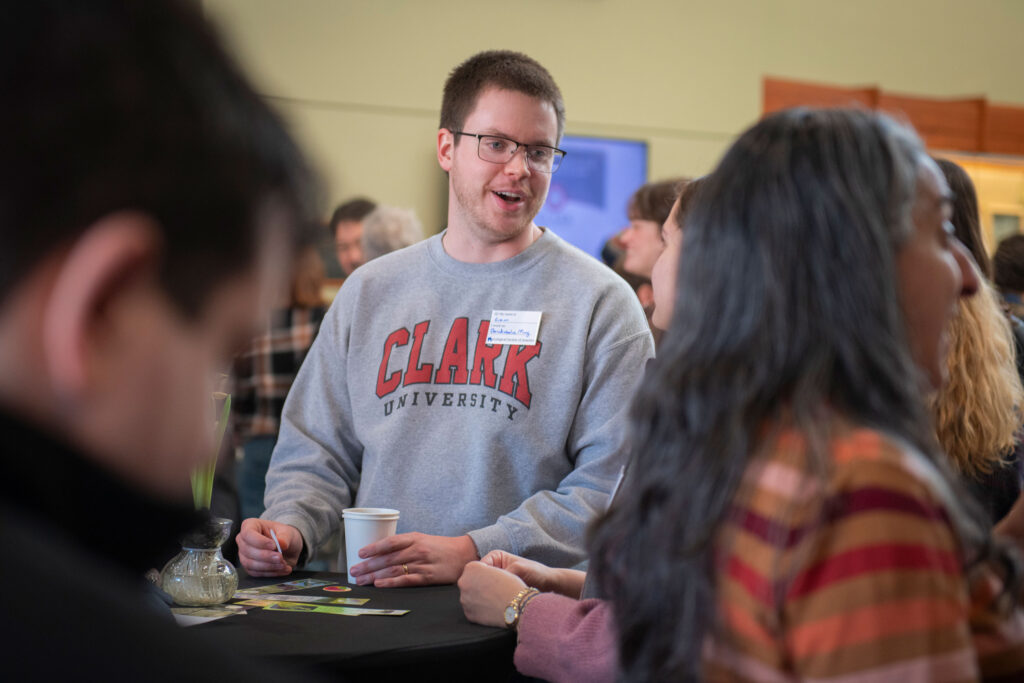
264	373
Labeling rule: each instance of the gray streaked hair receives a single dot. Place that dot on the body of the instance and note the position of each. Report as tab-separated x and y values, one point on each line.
388	228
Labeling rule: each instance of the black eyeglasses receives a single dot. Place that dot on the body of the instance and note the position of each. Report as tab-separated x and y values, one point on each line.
499	150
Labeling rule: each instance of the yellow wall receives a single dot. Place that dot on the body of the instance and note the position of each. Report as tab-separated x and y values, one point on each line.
999	183
360	80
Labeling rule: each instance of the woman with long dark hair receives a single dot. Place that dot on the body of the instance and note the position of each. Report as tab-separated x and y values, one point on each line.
787	515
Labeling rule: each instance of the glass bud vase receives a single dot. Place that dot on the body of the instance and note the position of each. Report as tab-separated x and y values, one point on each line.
199	574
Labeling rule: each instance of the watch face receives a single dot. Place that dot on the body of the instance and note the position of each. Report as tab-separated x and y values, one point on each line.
510	615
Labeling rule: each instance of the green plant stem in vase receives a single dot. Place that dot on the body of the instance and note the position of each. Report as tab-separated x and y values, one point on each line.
202	476
199	574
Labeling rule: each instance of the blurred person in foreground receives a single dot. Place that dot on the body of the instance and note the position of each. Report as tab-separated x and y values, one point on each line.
425	391
977	411
388	229
346	226
787	514
148	198
561	637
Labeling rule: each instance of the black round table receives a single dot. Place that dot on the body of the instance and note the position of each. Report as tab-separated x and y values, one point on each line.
433	642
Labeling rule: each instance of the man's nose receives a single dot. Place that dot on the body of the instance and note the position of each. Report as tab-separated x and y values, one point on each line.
518	166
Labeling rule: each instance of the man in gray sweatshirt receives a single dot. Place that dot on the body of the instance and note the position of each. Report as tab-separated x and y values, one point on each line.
477	381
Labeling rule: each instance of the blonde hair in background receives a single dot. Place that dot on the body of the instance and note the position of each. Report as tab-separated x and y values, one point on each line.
388	228
978	412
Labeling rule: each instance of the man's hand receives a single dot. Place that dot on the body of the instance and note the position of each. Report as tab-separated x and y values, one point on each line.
258	553
486	591
568	582
414	560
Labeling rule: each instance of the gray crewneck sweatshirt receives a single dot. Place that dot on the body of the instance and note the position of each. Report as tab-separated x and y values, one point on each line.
401	402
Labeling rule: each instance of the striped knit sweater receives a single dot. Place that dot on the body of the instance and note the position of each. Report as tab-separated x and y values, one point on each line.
854	578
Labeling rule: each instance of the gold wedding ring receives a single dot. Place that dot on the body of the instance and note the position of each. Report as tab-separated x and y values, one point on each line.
405	568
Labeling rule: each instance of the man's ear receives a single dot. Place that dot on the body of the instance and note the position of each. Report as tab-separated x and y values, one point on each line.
100	266
445	148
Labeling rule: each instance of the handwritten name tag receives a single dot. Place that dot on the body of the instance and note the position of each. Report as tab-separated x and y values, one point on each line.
514	327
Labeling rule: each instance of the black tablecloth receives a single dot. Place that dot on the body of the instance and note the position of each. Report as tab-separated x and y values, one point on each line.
434	642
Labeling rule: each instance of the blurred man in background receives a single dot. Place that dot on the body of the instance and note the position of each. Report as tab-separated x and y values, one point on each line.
641	240
347	228
1008	273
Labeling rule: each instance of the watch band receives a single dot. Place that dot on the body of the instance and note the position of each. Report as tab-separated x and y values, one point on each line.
515	608
526	601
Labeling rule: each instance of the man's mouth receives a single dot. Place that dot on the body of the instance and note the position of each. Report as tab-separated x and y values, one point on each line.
508	197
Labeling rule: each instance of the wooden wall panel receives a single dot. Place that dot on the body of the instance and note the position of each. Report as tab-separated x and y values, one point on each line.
942	124
1003	130
783	94
967	125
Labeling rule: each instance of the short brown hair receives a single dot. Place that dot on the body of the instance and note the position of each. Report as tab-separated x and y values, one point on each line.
1009	264
502	69
653	201
353	210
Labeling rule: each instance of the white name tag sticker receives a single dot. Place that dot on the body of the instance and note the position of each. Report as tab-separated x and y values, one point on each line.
514	327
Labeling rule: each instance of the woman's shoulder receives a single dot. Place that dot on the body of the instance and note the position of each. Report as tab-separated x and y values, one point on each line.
862	457
858	480
848	456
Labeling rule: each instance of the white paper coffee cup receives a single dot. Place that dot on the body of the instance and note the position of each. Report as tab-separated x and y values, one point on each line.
364	526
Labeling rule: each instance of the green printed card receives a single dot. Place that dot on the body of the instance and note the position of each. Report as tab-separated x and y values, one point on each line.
331	609
264	600
287	586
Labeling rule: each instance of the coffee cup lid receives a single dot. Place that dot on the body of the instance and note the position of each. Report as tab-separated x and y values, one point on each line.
370	513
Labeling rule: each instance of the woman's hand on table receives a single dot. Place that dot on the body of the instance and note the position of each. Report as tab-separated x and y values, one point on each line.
568	582
414	559
258	552
486	591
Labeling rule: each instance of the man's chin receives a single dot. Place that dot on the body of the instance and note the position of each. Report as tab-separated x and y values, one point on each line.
507	227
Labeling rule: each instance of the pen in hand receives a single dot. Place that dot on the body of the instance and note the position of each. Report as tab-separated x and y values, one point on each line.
274	536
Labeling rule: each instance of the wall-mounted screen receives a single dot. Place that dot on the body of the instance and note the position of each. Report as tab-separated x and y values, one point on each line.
1004	225
587	201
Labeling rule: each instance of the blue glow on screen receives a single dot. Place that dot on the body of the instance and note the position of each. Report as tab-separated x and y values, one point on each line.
587	201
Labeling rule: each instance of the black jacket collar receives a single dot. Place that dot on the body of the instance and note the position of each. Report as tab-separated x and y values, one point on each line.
53	484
